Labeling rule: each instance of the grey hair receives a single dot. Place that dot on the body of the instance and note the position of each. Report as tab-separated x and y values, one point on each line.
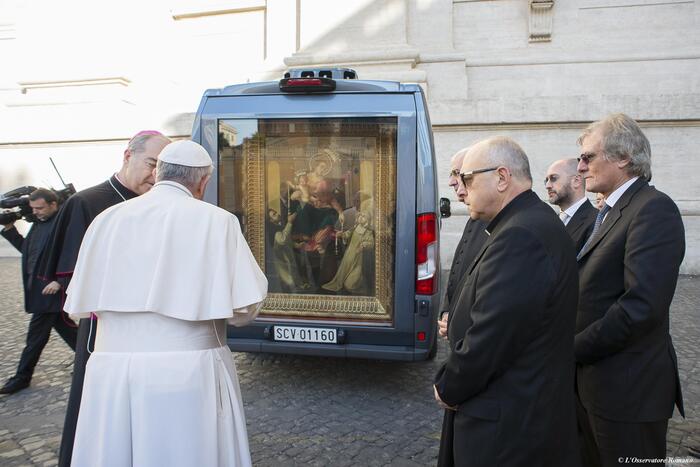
622	139
187	176
504	151
137	144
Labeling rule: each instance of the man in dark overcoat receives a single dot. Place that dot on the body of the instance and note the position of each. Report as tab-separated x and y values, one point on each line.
41	297
473	238
567	190
627	371
510	371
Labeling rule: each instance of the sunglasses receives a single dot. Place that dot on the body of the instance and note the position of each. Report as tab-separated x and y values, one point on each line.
587	157
467	177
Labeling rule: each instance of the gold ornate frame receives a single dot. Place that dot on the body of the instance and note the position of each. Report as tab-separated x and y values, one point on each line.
370	308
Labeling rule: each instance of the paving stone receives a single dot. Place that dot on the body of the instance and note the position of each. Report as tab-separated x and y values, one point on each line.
42	457
8	445
13	453
30	440
33	446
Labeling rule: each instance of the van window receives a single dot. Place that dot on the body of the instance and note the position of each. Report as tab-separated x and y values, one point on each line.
316	199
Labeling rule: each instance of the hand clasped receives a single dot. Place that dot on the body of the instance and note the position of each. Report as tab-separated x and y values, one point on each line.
440	402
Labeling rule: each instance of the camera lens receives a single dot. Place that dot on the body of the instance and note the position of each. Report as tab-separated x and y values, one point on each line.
9	203
8	217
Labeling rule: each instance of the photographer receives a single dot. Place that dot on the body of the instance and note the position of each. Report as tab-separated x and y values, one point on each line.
41	298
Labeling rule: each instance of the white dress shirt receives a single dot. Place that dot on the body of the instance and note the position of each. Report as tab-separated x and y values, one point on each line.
617	194
572	210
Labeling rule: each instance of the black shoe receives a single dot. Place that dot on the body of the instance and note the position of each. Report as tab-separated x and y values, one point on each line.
13	385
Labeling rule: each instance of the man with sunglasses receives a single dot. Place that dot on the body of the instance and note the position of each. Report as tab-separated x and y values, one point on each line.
627	371
567	189
473	238
470	244
510	370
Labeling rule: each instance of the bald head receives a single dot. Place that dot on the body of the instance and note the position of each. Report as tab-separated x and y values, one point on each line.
495	171
567	167
564	184
458	158
503	151
455	167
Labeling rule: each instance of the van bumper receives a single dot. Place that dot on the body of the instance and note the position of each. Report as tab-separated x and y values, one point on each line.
374	352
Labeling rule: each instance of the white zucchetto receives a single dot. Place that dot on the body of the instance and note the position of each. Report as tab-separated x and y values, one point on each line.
187	153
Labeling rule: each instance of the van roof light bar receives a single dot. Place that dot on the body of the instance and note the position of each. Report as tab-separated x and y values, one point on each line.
328	72
309	80
307	85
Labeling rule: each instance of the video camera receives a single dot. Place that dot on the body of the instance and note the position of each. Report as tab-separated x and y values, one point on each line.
15	203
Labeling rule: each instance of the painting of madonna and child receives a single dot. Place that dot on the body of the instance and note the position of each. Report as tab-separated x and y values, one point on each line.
316	200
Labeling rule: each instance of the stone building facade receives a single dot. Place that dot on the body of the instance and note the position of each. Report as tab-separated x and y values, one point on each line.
80	77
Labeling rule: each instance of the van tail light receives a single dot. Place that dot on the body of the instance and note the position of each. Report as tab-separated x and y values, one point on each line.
426	254
307	85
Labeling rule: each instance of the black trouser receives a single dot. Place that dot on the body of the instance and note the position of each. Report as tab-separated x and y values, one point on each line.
446	453
586	439
38	335
610	443
86	338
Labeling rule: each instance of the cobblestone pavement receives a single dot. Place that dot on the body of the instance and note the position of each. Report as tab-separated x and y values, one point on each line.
300	410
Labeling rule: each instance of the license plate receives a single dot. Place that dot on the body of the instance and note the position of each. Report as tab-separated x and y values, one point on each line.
298	334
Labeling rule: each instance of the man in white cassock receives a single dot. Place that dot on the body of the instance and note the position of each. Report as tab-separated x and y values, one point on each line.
164	272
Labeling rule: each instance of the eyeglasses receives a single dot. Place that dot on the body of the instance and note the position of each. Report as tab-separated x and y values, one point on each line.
551	178
467	177
587	157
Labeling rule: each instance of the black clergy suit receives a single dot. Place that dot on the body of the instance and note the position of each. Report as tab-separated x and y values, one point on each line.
72	223
473	239
580	225
510	371
627	372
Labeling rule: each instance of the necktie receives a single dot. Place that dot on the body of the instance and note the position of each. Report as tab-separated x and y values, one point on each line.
563	216
596	228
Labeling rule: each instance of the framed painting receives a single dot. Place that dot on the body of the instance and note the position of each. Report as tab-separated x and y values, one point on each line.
316	199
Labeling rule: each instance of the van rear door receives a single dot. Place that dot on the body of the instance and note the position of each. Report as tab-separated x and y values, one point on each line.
324	186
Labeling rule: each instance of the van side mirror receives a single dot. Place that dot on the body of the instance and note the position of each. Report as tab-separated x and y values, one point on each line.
445	208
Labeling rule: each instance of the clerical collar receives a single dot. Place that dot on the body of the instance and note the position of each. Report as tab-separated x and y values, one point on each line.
119	187
176	185
520	201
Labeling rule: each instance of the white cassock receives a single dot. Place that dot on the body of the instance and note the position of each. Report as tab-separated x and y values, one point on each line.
163	272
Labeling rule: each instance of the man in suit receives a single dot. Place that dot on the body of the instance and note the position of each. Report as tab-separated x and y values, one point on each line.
627	372
473	238
41	298
510	370
566	189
